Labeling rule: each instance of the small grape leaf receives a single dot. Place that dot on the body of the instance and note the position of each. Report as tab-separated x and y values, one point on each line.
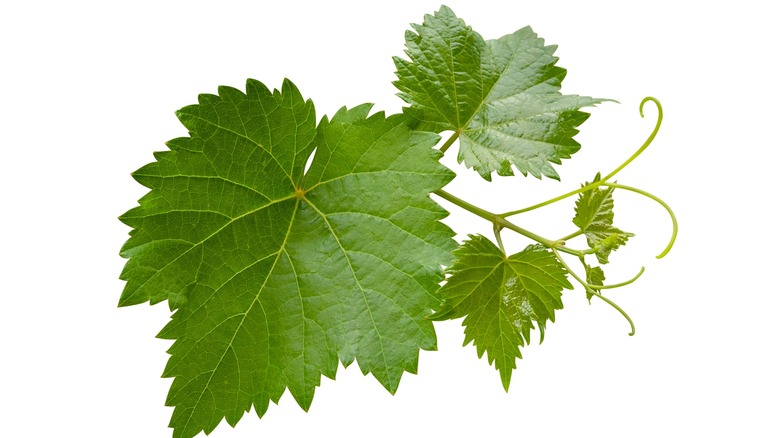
276	275
594	276
594	215
501	298
502	96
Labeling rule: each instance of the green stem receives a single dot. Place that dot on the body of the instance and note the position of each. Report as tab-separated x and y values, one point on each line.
500	222
663	204
497	233
595	184
571	236
571	271
616	285
622	312
449	141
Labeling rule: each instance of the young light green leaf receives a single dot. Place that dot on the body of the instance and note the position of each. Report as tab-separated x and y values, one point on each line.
276	275
502	297
594	215
594	276
501	96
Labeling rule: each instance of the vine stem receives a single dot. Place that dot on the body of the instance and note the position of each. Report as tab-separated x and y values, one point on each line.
600	182
500	222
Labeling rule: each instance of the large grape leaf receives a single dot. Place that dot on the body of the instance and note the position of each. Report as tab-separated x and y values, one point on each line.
277	274
594	216
502	96
502	297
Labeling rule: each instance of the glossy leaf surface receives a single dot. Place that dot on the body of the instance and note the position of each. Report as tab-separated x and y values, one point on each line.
502	96
502	298
594	217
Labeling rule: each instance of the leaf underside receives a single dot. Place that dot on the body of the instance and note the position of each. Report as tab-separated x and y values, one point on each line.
502	96
276	275
502	298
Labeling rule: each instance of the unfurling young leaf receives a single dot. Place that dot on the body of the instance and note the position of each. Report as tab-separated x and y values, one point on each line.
277	275
502	97
502	297
594	217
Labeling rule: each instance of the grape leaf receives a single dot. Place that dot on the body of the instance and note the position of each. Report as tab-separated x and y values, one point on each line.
501	298
276	275
501	96
594	215
594	276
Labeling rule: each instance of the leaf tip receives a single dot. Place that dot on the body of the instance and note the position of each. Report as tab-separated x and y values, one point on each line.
445	10
289	86
127	300
506	378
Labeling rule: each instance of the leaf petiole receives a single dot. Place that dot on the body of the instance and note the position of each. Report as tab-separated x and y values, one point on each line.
449	141
497	233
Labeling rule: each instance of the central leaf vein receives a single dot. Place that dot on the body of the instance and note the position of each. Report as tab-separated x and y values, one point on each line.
357	282
229	346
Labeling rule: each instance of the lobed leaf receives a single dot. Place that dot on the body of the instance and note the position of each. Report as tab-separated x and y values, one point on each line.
276	275
501	298
502	97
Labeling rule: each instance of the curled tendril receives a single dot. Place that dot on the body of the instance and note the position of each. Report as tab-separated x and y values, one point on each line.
663	204
617	285
647	142
616	307
593	292
600	182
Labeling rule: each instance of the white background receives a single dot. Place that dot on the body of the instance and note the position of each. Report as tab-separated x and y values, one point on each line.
89	91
